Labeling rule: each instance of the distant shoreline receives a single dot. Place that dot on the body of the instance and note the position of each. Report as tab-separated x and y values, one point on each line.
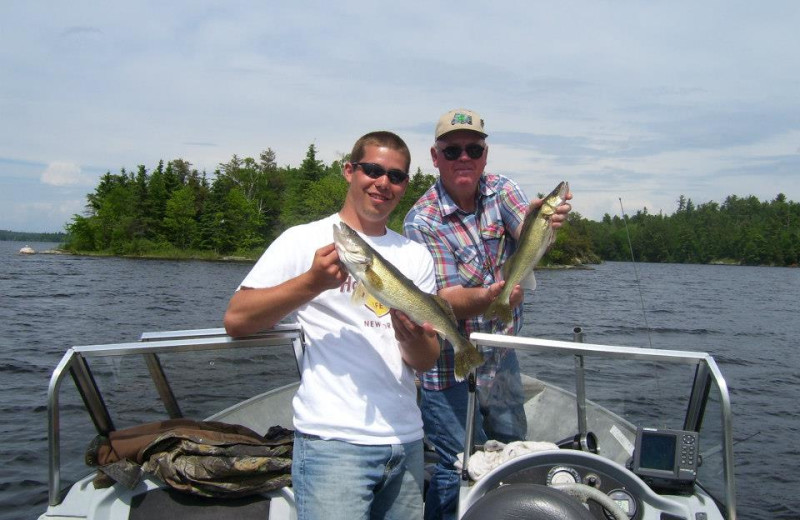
203	256
23	236
212	257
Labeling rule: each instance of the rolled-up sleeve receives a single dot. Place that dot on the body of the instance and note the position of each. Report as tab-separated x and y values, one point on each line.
513	207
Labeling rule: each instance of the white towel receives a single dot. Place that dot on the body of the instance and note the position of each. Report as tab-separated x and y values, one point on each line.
496	453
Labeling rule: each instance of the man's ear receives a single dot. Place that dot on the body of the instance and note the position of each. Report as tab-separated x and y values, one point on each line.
347	172
435	156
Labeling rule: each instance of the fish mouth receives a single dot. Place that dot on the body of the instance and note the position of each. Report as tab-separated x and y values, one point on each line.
349	250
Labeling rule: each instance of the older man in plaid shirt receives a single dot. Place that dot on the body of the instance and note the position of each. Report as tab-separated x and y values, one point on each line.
470	221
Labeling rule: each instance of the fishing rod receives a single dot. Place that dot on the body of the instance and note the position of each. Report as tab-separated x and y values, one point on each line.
636	273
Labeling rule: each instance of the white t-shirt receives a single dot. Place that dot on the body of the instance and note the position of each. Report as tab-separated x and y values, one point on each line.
355	386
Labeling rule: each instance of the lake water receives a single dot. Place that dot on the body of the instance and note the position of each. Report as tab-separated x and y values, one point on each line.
746	317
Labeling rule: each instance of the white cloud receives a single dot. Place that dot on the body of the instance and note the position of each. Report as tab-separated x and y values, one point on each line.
60	173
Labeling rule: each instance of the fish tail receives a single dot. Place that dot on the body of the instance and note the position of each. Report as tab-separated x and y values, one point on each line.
500	310
467	357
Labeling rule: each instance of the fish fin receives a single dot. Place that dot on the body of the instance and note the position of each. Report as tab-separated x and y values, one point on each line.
445	306
360	294
529	282
499	310
374	280
491	311
467	357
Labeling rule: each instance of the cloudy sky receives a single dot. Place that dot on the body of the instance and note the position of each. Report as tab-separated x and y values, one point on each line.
635	100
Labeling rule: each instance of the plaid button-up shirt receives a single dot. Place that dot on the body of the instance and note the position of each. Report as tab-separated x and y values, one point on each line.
468	249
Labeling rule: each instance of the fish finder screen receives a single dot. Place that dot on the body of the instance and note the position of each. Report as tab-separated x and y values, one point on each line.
666	459
658	451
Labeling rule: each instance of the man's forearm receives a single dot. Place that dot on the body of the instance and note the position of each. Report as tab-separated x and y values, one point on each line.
467	302
253	310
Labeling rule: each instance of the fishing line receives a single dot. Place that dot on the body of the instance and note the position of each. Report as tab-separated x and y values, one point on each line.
636	273
718	448
641	297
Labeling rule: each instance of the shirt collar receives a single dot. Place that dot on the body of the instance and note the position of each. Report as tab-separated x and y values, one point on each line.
447	205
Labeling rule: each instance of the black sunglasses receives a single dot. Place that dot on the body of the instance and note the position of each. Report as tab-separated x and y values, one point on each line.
453	152
376	171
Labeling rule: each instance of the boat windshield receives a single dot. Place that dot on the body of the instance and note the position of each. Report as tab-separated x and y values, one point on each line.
565	389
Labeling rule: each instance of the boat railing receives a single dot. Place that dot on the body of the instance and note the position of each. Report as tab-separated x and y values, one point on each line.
151	346
154	344
707	373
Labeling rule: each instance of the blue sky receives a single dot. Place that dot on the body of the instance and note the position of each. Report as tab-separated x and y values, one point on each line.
638	100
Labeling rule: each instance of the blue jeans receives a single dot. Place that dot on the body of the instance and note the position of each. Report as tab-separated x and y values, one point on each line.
444	413
337	480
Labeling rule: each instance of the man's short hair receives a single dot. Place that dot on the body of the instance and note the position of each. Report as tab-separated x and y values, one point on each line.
380	138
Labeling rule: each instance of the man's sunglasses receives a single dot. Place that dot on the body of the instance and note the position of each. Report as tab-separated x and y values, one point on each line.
453	152
376	171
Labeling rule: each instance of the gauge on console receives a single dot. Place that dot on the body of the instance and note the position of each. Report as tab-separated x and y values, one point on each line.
624	500
563	475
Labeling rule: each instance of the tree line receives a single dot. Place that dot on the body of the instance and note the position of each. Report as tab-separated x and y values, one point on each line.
739	231
174	210
24	236
248	202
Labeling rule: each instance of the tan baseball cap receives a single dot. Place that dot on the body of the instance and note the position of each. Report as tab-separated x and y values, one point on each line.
459	119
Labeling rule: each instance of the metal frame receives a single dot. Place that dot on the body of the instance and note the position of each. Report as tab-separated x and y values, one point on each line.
706	374
152	344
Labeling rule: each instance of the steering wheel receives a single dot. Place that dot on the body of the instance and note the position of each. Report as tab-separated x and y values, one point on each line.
585	493
538	502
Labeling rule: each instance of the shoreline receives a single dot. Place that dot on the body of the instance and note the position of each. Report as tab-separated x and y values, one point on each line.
235	258
210	257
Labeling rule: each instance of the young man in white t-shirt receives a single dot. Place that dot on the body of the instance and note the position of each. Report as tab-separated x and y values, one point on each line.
358	443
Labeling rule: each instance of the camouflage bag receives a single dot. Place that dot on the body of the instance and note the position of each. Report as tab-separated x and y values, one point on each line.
204	458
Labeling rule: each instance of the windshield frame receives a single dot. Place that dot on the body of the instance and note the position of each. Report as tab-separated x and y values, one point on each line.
708	380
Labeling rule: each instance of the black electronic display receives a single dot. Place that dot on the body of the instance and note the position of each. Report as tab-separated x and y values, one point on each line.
666	459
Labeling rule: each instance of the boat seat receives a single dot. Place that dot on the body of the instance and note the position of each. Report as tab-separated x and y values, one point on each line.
168	504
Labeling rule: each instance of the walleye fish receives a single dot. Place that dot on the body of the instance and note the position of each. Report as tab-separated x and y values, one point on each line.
536	236
378	278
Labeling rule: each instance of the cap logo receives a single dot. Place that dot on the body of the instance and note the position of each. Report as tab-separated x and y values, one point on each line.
461	119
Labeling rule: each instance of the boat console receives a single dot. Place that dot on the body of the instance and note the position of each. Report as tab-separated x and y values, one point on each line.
565	469
573	471
613	468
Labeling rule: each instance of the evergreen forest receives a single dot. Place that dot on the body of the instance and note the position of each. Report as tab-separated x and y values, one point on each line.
175	211
19	236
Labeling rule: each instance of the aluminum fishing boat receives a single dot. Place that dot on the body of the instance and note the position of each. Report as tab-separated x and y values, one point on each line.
642	433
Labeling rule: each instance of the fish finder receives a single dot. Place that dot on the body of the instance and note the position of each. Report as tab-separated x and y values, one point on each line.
666	460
